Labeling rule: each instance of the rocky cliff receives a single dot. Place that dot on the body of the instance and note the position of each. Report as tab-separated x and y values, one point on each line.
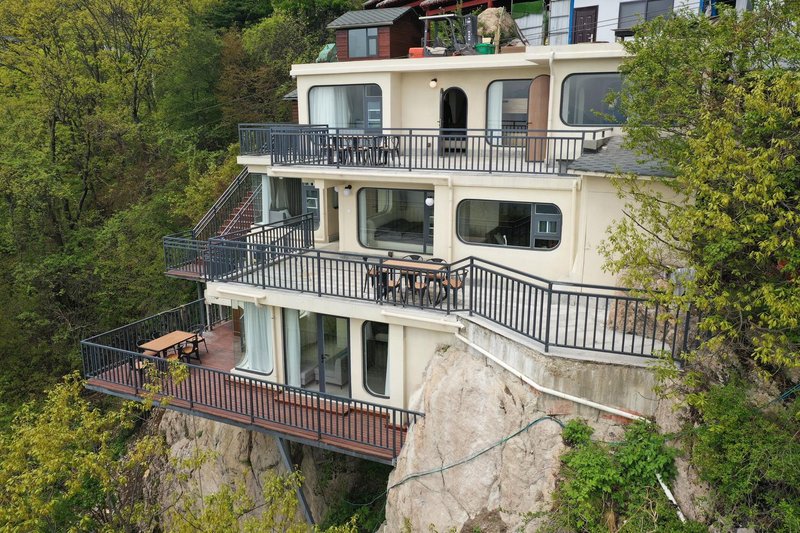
471	406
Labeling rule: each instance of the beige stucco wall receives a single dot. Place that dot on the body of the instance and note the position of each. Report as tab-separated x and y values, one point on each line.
409	101
413	336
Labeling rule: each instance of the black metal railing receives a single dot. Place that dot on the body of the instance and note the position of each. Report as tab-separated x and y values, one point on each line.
190	258
221	212
184	317
110	358
255	139
568	315
508	150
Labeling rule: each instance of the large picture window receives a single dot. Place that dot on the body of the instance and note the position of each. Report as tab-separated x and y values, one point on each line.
355	107
362	42
396	219
584	99
376	358
507	111
511	224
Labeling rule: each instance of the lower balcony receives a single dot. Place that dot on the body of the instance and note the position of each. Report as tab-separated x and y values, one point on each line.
114	365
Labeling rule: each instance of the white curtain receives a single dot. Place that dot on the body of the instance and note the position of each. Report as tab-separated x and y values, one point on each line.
257	326
329	105
266	197
494	111
291	332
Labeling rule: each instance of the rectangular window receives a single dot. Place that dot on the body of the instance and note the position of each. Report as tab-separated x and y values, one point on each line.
516	224
507	111
584	99
396	219
376	358
362	42
355	107
633	13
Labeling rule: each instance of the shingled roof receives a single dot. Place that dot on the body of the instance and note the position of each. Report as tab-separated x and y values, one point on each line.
614	159
369	18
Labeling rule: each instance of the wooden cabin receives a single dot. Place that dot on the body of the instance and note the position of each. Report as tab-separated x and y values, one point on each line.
376	34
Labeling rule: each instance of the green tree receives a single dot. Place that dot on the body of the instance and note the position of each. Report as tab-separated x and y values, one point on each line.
716	101
64	466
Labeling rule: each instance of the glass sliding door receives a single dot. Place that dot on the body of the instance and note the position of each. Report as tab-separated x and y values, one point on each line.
317	350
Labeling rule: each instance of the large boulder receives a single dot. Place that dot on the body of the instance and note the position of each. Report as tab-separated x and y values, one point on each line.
470	406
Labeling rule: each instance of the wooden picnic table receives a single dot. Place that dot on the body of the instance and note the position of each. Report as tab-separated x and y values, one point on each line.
165	342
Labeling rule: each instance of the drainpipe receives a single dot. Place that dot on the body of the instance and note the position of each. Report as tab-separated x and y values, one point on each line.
576	399
452	229
550	113
572	242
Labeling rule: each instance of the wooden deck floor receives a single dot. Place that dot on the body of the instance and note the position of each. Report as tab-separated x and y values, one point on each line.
210	390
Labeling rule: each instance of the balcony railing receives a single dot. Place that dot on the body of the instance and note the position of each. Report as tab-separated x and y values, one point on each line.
112	363
188	258
567	315
506	150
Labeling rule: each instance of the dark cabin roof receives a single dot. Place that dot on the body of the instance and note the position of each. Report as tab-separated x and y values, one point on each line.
614	159
369	18
291	95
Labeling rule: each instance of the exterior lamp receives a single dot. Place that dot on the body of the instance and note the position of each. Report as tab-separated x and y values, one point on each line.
433	83
336	189
429	201
348	189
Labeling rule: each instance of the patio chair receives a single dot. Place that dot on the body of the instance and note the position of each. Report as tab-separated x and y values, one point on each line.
454	283
392	285
371	273
199	329
191	350
388	146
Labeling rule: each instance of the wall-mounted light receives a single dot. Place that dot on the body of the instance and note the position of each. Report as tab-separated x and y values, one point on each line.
433	83
336	189
348	189
429	201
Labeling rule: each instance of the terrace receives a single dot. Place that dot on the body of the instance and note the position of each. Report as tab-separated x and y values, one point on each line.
113	365
583	317
508	150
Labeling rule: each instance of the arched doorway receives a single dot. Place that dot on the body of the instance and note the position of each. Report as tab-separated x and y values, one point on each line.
453	120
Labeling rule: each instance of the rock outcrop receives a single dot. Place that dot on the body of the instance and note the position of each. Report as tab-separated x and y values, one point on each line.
469	406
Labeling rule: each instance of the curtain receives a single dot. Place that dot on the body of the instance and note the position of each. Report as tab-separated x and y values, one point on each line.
494	111
257	327
291	328
329	105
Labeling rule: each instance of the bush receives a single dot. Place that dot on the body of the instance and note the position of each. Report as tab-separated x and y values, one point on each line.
751	458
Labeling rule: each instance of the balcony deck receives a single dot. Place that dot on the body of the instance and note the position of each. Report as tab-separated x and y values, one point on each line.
504	150
582	317
211	391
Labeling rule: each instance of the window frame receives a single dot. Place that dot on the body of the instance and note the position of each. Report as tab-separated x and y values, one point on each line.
427	246
561	102
365	107
489	137
532	228
647	15
364	359
368	39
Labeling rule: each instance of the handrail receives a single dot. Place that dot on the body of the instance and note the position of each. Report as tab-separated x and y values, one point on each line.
248	204
111	358
237	190
570	315
528	151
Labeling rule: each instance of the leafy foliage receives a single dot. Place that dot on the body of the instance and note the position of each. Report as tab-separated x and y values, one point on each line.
63	466
751	457
605	488
717	102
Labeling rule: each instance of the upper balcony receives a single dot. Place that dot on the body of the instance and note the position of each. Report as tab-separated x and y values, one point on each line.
511	150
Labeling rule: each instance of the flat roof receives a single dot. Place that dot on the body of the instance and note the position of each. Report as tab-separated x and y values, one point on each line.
533	55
